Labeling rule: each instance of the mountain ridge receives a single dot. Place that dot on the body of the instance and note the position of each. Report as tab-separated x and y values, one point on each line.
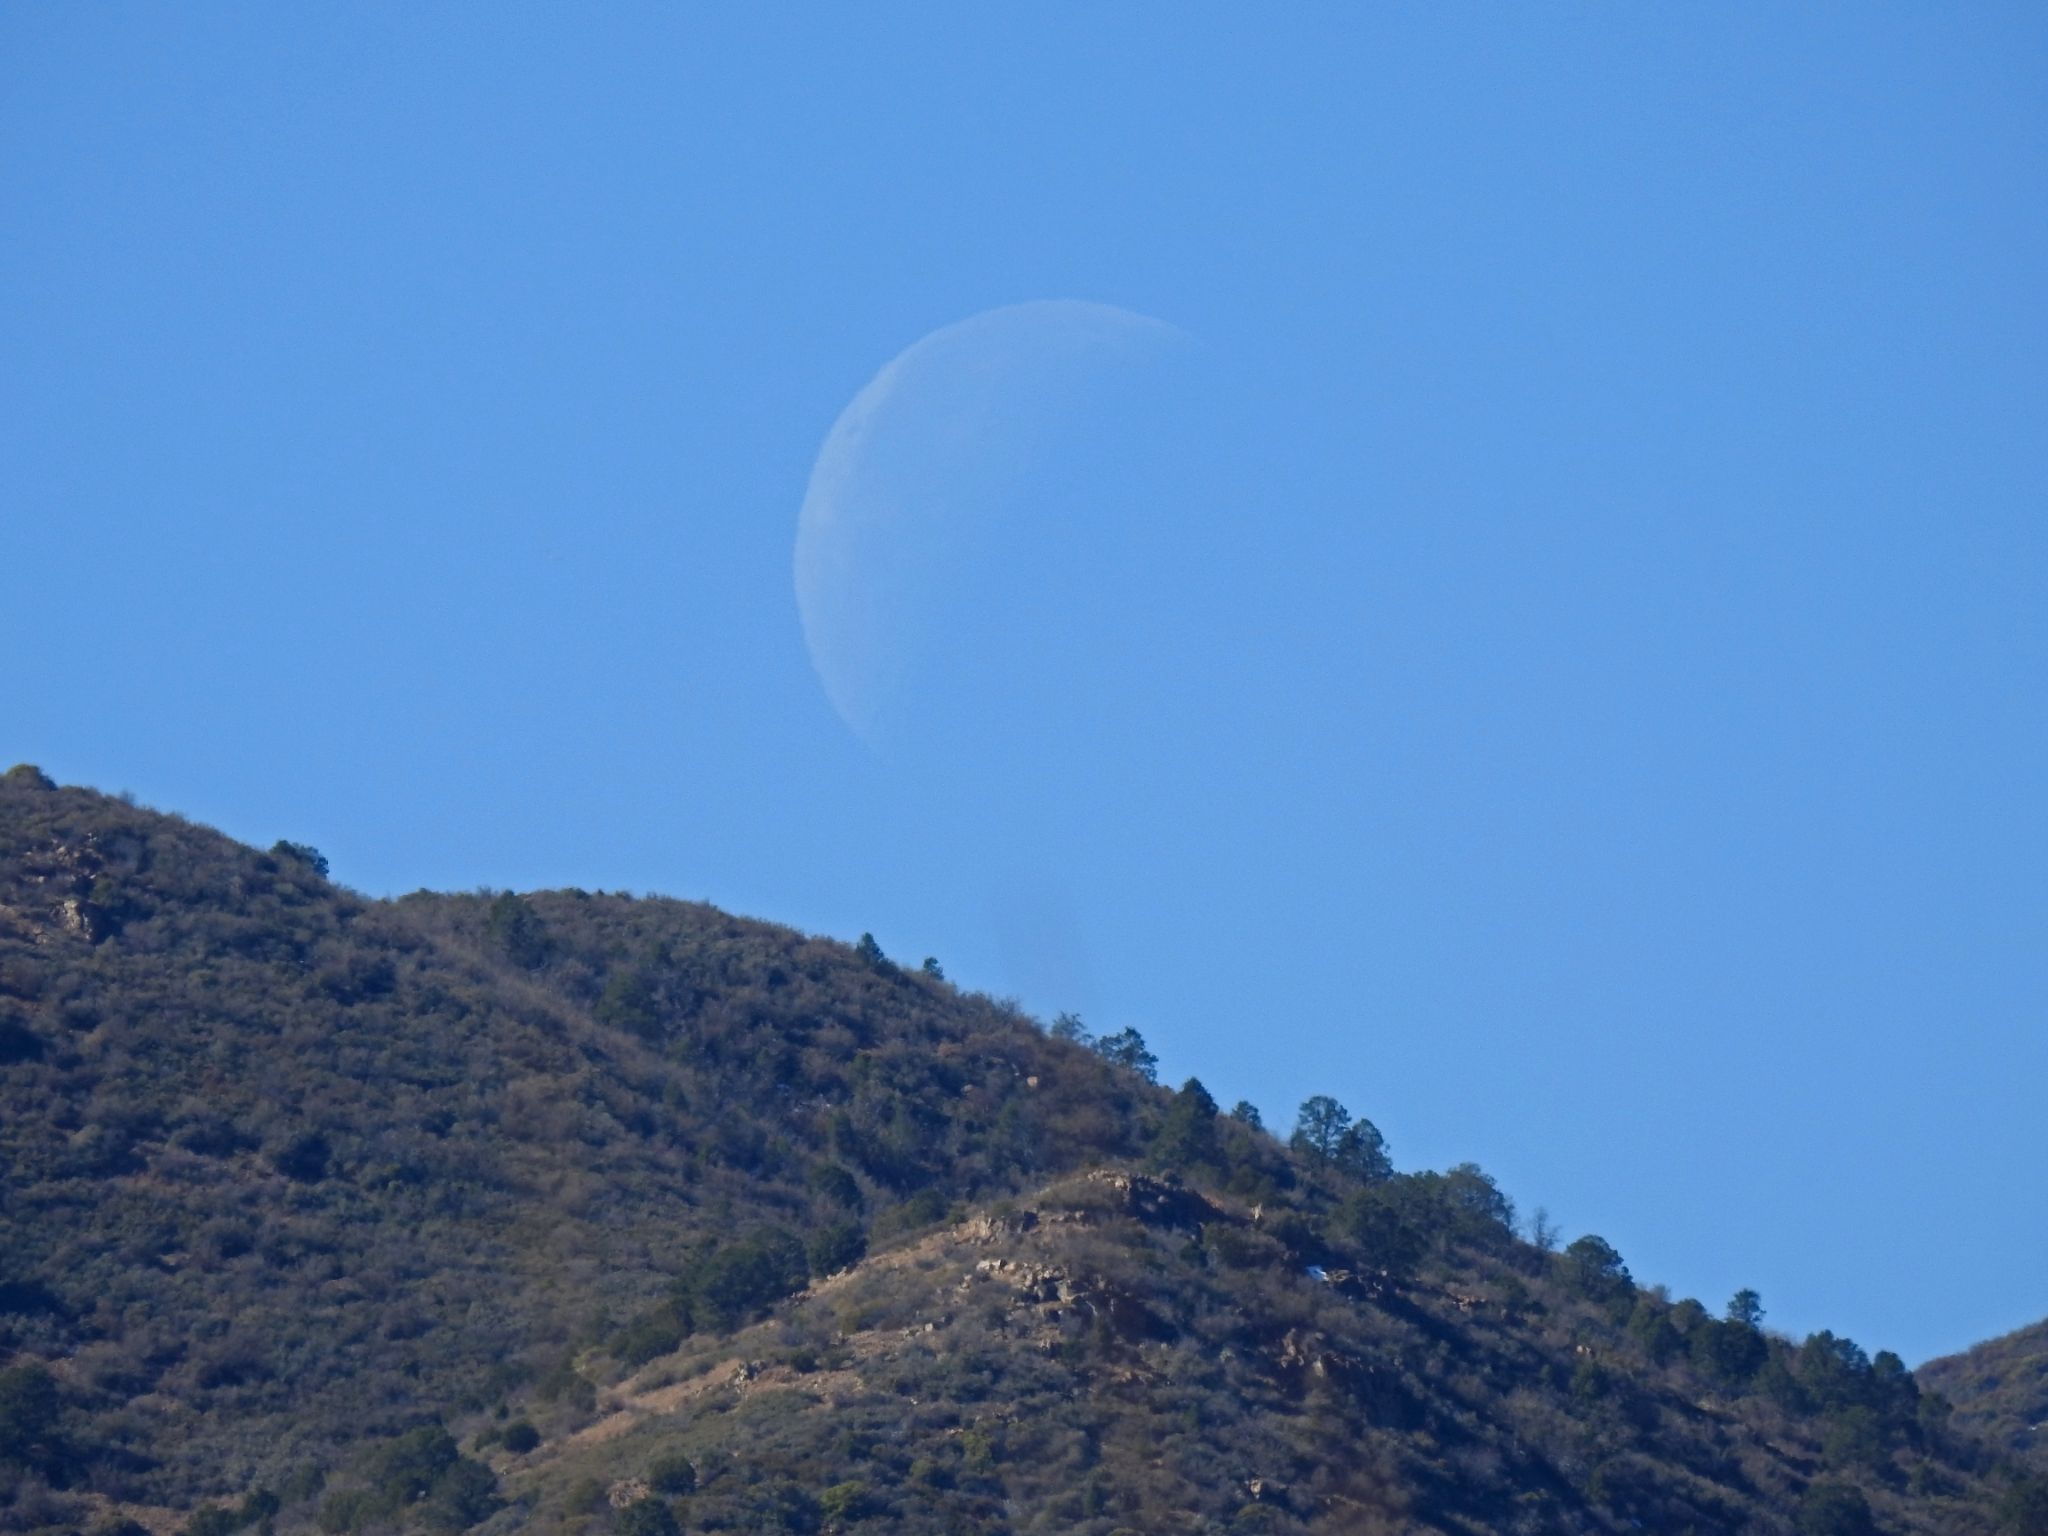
329	1213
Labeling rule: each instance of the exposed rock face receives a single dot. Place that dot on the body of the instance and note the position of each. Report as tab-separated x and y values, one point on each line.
1154	1201
66	875
992	1226
1058	1292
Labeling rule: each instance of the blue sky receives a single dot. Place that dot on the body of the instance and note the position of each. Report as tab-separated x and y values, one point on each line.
1557	663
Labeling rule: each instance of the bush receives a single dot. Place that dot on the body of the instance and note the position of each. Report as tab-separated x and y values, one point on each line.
628	1003
520	1437
303	1159
844	1501
834	1183
29	1407
1834	1509
649	1517
301	853
216	1520
729	1285
516	930
838	1246
672	1473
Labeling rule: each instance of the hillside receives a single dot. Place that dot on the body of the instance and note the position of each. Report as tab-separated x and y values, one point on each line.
2000	1389
578	1212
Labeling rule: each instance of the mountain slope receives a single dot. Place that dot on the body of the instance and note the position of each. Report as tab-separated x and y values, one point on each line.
579	1212
2000	1389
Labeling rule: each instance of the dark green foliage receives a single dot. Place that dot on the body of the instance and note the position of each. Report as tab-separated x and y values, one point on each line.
648	1517
408	1469
224	1519
1834	1373
921	1210
420	1478
519	1437
843	1502
1320	1127
304	1158
732	1282
628	1003
1596	1270
933	969
18	1043
1729	1352
1381	1222
259	1506
1126	1049
1068	1027
835	1184
869	953
1187	1134
1475	1205
29	1411
1746	1308
1362	1152
1854	1439
673	1473
2023	1507
1834	1509
216	1520
301	853
837	1246
1244	1112
516	931
1651	1327
28	776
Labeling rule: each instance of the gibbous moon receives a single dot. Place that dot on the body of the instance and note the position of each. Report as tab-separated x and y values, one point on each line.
925	485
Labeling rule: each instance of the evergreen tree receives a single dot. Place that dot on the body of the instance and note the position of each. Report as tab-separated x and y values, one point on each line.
1068	1026
517	931
1127	1049
1319	1128
1187	1134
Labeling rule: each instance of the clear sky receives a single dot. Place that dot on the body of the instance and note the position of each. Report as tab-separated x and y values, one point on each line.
1556	660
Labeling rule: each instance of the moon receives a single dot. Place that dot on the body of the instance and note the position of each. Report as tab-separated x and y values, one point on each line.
933	476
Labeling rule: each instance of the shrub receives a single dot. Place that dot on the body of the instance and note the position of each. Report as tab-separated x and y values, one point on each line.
844	1501
838	1246
628	1004
304	1159
649	1517
673	1473
1833	1509
520	1437
29	1406
516	930
834	1183
301	853
728	1285
215	1520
